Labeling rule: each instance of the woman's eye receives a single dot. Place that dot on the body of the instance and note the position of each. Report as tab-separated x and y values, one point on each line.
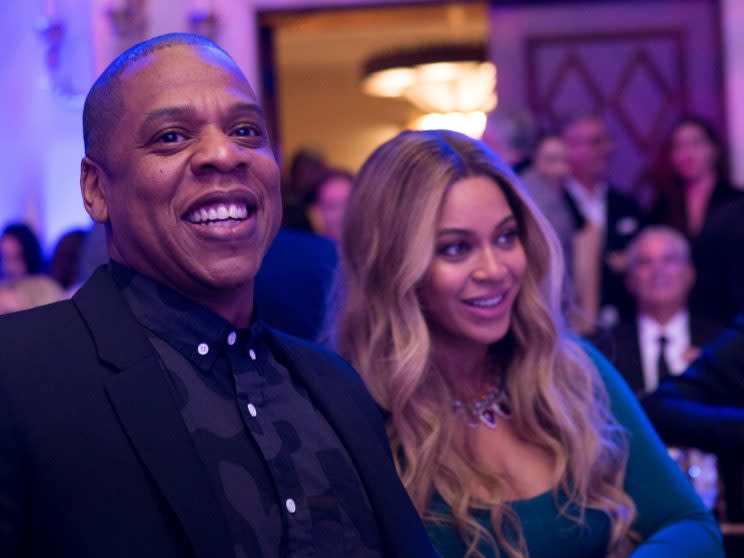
453	249
508	238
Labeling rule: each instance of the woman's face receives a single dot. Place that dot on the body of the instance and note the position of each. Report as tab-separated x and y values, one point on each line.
551	161
693	156
478	266
11	257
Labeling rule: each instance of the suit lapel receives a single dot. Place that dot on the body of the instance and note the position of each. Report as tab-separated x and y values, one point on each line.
338	400
629	356
142	400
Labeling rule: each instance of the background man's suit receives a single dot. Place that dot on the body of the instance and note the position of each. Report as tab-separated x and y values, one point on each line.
621	346
95	460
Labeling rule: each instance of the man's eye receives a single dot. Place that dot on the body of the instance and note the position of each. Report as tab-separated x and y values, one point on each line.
170	137
248	131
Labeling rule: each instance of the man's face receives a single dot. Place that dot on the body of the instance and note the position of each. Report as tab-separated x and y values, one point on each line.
589	149
660	273
191	187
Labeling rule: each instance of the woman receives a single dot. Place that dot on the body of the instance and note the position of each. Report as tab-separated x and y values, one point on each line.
499	421
696	197
20	252
692	178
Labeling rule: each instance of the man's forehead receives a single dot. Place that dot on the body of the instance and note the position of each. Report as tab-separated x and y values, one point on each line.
664	241
168	61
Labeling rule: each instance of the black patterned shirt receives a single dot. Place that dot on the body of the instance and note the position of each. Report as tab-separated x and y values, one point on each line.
286	485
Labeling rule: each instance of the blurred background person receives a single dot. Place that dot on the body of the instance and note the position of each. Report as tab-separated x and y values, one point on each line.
545	180
618	216
305	170
696	196
511	133
326	203
692	179
664	336
20	252
28	292
64	266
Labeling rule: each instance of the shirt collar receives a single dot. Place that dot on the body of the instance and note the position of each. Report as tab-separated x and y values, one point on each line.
674	330
196	332
579	192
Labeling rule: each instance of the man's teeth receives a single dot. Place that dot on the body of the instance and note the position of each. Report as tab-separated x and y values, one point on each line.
486	302
220	212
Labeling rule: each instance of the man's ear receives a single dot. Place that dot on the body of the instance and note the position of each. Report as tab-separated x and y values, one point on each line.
91	185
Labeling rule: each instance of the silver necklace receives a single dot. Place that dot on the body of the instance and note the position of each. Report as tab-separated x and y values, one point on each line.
486	410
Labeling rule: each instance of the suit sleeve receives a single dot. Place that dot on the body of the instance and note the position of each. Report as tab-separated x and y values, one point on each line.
671	519
12	482
710	395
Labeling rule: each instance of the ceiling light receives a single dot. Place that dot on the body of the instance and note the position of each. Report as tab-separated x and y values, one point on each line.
438	79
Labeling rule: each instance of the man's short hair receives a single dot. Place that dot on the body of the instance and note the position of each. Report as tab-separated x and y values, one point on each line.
672	234
104	102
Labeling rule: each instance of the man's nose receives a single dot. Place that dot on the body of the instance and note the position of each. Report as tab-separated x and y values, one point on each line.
216	151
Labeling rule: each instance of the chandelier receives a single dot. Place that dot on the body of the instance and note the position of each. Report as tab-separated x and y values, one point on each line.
436	79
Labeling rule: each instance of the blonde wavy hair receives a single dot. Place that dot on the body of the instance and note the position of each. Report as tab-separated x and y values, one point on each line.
558	399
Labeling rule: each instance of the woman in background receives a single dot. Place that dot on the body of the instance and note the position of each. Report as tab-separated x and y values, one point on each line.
692	179
511	437
20	252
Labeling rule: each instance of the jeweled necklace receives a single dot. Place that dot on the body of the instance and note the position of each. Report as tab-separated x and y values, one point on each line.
486	410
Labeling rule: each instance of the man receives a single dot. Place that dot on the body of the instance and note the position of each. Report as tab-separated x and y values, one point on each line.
704	408
153	415
511	133
663	337
590	148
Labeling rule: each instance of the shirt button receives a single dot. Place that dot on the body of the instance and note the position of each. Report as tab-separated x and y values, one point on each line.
291	506
252	409
231	338
203	349
252	354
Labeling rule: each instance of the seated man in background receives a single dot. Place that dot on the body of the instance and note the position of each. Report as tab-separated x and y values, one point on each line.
664	337
154	415
704	408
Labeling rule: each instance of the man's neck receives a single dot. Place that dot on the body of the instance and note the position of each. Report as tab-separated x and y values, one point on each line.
661	314
234	306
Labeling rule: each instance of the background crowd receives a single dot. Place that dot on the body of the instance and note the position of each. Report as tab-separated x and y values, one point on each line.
651	285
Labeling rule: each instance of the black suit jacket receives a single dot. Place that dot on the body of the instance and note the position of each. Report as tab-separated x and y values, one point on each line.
624	221
95	460
621	346
717	253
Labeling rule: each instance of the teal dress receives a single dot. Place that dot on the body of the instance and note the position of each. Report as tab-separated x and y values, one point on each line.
671	519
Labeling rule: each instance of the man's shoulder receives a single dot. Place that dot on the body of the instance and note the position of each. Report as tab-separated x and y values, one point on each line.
34	322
